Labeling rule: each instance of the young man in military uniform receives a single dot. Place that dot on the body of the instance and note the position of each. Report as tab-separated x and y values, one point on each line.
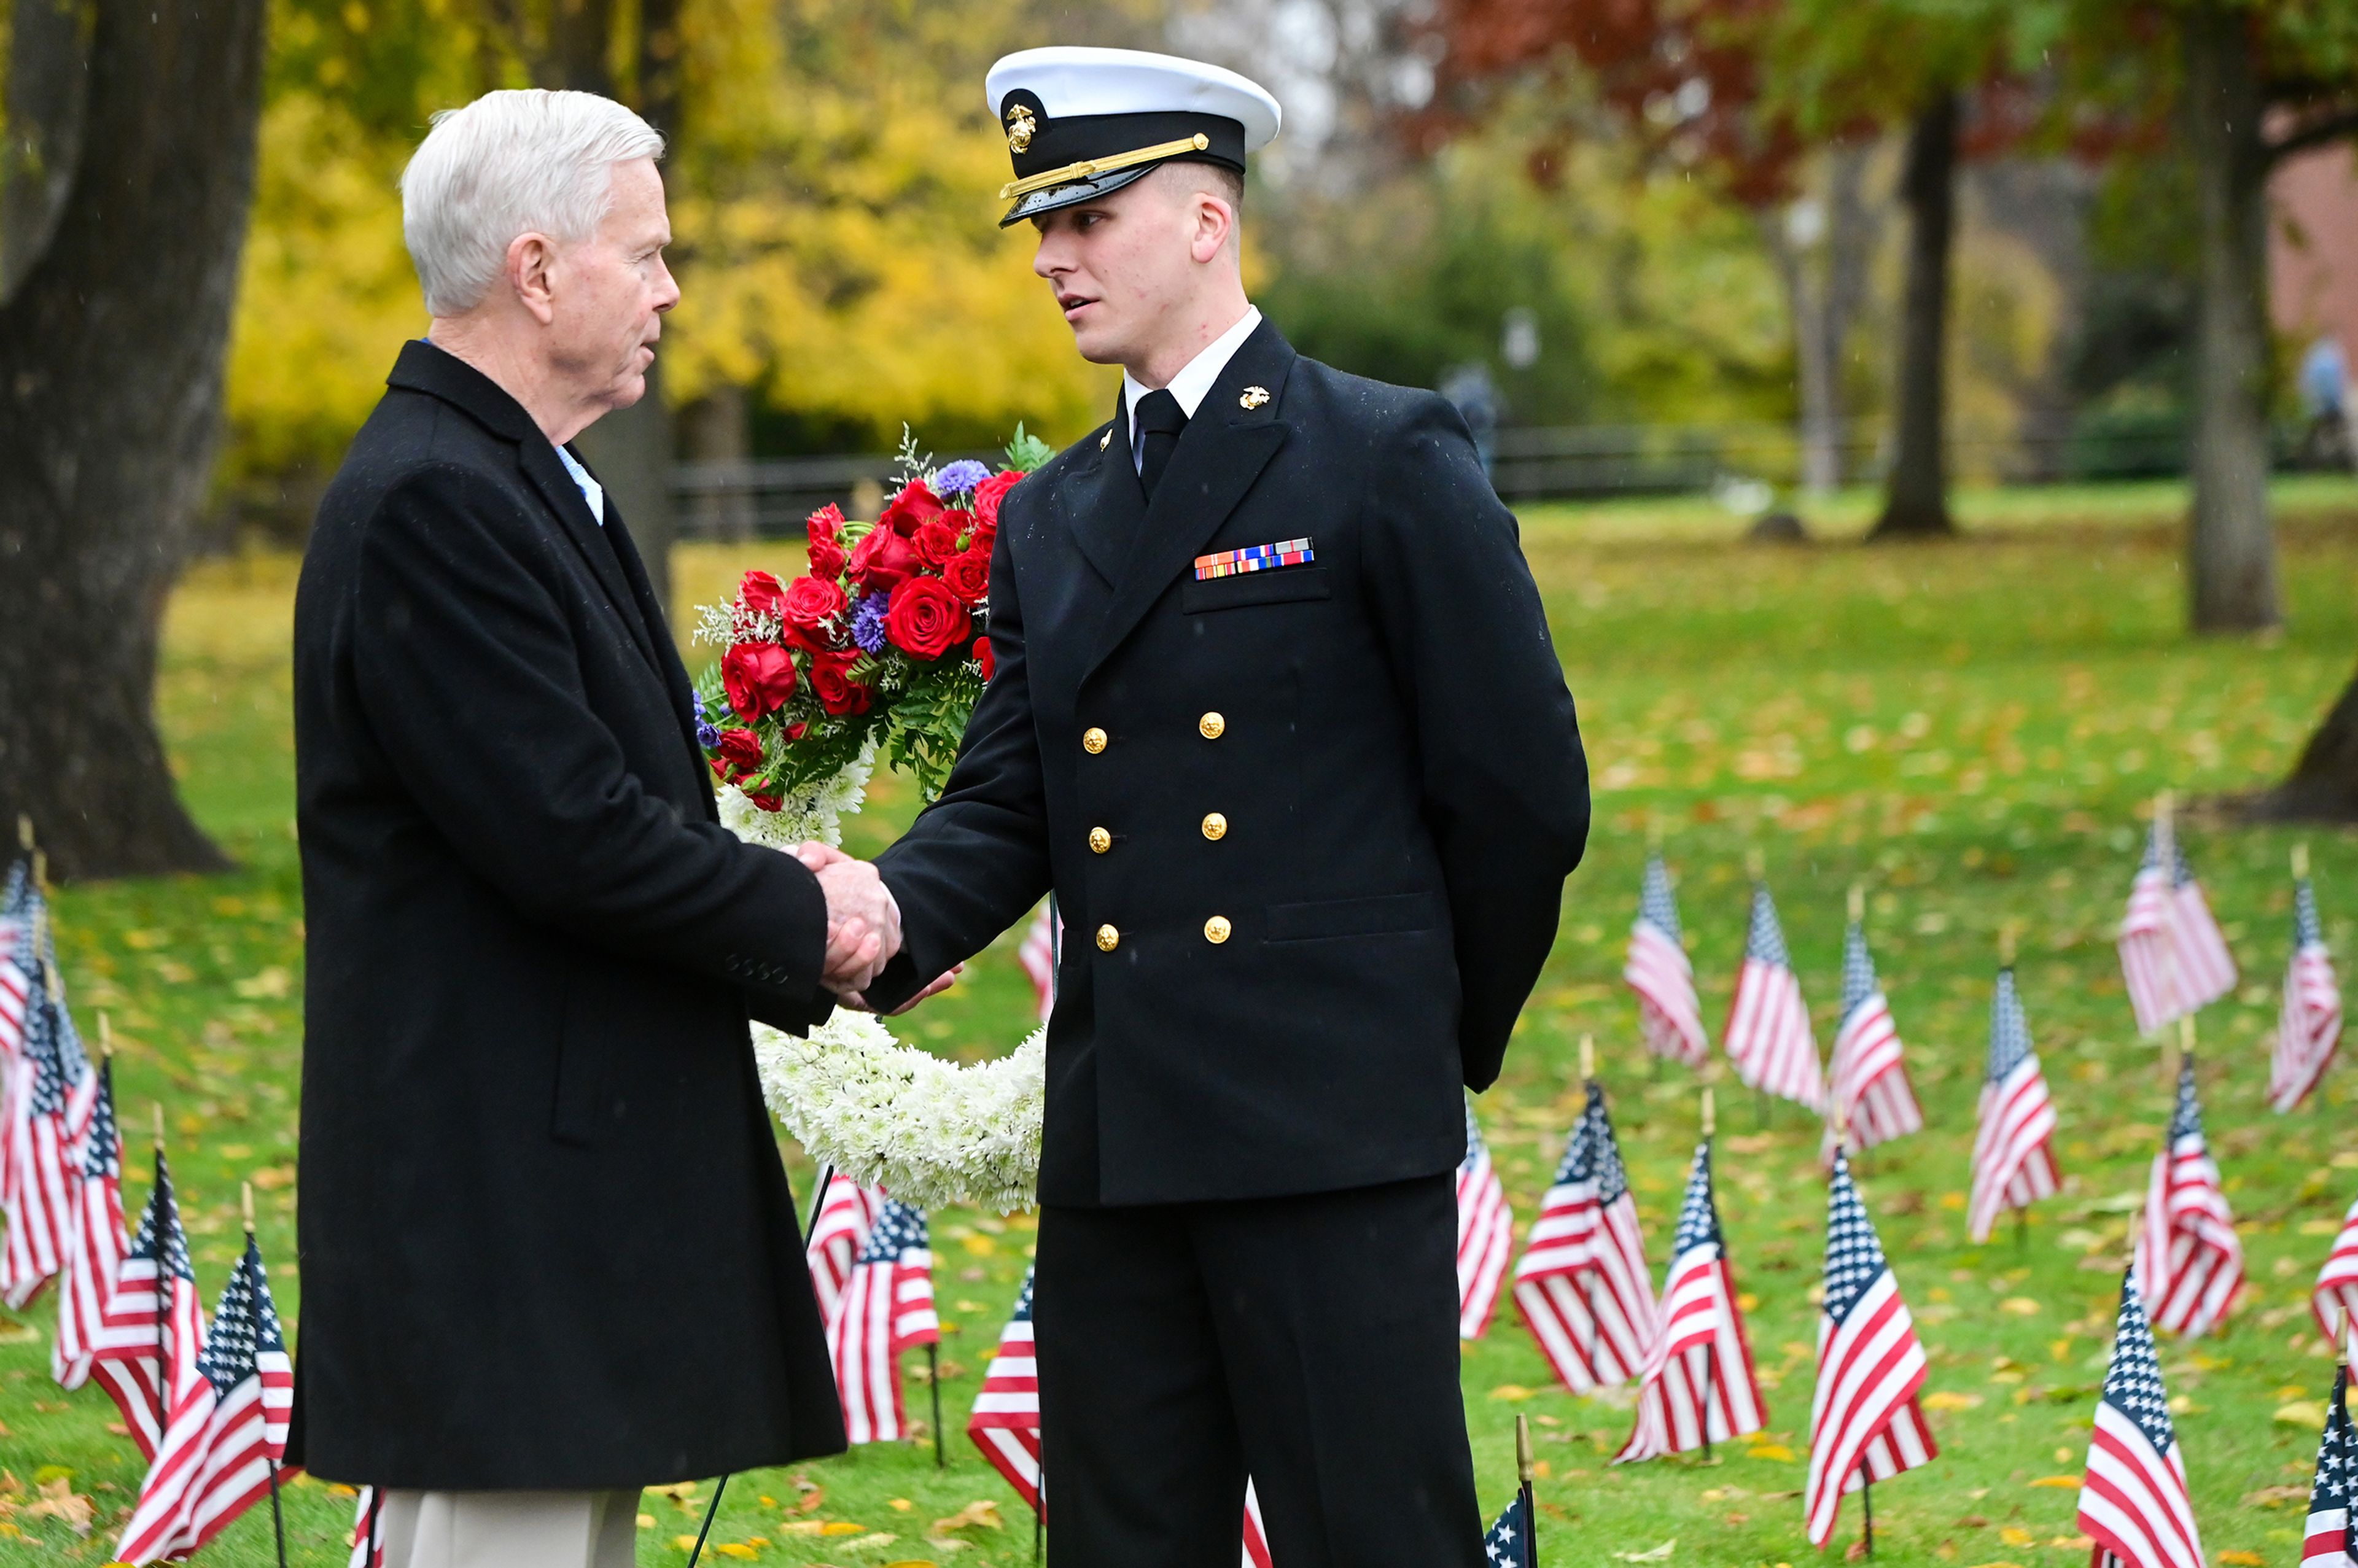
1277	718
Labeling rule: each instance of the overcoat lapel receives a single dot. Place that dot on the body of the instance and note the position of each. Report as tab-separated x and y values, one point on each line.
572	509
1109	503
1219	455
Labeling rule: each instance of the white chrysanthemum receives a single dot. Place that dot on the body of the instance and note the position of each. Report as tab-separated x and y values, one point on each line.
816	811
932	1132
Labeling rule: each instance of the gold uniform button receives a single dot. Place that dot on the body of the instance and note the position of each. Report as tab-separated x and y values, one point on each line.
1092	739
1108	938
1216	929
1100	840
1212	726
1215	827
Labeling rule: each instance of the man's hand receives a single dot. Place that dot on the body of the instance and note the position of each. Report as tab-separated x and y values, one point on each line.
863	923
939	984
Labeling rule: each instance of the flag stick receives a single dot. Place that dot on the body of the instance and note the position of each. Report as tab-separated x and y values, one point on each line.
1038	1509
934	1382
25	831
818	1204
713	1507
1867	1505
2022	1228
2299	862
1524	1468
164	1287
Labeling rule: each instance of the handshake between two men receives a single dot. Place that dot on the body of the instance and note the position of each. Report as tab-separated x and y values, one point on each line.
863	926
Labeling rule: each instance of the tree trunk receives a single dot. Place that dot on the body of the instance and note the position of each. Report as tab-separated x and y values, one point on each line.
1916	499
47	97
1822	318
2231	545
2322	785
109	411
631	447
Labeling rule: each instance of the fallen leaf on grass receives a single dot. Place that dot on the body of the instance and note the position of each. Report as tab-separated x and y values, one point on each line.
2021	1306
2275	1496
2076	1542
899	1504
1945	1400
1855	1551
2301	1413
734	1549
58	1501
2015	1535
800	1526
981	1511
842	1527
1651	1554
2060	1482
2240	1558
1972	1521
1511	1392
1777	1451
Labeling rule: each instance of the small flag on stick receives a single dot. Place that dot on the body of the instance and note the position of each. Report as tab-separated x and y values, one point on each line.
2014	1156
2133	1502
2326	1543
2189	1257
2173	953
847	1212
887	1307
1872	1094
1668	1015
2335	1298
1768	1036
95	1242
1583	1285
1486	1233
2310	1025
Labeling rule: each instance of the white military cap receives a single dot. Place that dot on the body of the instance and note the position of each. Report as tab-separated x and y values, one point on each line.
1082	122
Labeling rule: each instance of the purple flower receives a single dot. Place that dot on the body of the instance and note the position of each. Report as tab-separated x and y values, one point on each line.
707	734
868	622
961	477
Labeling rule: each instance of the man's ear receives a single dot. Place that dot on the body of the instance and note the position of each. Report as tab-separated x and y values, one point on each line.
530	259
1215	223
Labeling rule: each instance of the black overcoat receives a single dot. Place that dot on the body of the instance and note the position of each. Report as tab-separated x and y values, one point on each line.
546	1237
1383	732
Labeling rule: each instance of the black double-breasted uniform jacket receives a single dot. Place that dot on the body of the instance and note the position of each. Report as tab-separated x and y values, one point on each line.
1308	828
546	1239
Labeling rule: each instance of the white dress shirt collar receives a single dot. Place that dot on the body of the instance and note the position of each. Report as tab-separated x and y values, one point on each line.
591	490
1194	380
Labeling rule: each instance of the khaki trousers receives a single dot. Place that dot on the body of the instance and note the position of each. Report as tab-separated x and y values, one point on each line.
509	1529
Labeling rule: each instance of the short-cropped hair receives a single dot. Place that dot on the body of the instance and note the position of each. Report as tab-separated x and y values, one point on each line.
515	162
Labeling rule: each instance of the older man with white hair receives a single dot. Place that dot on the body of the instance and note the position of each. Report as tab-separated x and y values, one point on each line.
549	1252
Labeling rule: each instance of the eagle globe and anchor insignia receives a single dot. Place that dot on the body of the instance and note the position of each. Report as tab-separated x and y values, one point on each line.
1020	129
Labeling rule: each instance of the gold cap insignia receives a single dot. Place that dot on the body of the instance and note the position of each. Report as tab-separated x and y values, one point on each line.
1020	129
1254	396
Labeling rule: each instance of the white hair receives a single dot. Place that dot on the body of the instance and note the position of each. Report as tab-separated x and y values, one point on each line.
517	162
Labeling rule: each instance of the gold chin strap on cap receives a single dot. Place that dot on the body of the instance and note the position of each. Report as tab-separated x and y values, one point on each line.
1090	167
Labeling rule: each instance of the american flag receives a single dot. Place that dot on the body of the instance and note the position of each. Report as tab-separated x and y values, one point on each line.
2310	1024
2188	1255
94	1242
887	1306
2133	1502
228	1431
368	1533
1871	1093
1038	956
1508	1543
1864	1422
1006	1423
2337	1283
152	1320
846	1213
1485	1233
1697	1380
16	966
1769	1035
1668	1013
53	1098
2014	1153
2172	953
2327	1544
1583	1285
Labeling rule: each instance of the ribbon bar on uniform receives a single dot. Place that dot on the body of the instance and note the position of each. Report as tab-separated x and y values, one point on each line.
1253	558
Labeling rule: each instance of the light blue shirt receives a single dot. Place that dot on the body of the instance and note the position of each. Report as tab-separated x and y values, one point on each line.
591	490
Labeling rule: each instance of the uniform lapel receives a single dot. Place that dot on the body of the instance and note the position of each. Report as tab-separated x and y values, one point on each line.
1222	451
1109	504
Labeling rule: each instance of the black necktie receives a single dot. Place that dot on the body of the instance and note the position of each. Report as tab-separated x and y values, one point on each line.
1156	425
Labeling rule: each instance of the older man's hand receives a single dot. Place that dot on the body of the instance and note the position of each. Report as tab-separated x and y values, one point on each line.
863	923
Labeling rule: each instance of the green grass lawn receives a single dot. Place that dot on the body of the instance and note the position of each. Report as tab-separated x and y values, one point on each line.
1971	728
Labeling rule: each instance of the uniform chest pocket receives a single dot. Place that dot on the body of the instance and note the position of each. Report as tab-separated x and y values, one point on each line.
1279	586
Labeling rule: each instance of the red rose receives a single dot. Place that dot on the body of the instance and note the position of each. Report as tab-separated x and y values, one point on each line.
936	542
826	531
915	504
988	493
811	601
758	676
760	593
741	754
766	802
968	576
986	658
832	684
961	522
883	560
925	617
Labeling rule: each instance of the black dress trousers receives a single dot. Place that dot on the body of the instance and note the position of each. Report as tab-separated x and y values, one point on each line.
1309	1342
